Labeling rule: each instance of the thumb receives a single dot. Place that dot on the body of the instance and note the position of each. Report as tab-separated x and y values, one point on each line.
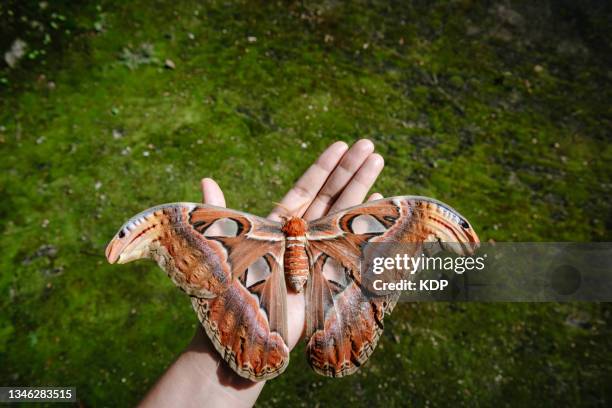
211	193
375	196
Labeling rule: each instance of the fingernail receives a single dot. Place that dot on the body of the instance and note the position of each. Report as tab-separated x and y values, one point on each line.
365	144
378	159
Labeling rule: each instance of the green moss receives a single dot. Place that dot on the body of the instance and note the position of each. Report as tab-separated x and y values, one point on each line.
524	153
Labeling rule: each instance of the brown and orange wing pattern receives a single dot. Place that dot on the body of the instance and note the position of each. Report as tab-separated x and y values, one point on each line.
343	319
210	253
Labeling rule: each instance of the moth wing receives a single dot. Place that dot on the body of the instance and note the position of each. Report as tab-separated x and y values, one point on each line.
344	318
210	253
343	323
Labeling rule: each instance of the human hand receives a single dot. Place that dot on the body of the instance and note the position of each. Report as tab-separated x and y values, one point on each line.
339	178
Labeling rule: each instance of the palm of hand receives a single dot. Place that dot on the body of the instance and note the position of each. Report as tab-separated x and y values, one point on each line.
340	178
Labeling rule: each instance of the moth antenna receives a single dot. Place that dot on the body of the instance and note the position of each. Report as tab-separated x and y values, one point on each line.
284	208
290	213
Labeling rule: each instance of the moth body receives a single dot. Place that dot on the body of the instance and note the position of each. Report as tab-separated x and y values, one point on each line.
295	259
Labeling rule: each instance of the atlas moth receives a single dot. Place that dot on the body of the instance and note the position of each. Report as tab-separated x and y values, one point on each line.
244	311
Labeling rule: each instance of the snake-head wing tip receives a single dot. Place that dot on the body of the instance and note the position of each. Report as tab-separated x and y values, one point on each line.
112	251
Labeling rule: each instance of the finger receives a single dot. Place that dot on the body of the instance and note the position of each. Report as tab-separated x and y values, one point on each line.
358	187
211	193
339	179
305	190
375	196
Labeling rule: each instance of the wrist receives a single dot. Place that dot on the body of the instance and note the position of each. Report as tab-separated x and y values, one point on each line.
200	377
215	375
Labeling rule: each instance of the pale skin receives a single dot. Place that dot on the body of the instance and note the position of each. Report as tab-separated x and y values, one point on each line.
341	177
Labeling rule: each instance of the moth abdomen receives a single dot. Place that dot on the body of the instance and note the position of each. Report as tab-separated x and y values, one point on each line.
295	259
296	263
